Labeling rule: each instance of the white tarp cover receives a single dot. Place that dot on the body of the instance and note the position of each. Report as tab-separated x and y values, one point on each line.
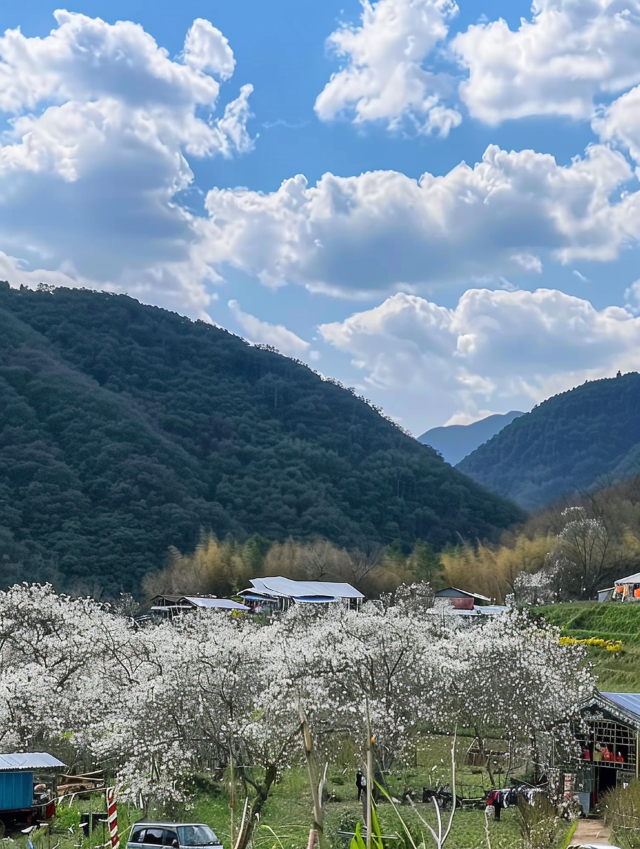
632	579
28	761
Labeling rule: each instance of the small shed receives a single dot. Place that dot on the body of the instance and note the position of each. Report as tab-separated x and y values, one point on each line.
460	599
16	778
606	594
608	734
169	606
212	603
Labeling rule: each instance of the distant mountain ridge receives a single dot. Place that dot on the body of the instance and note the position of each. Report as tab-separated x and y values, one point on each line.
126	429
455	442
576	441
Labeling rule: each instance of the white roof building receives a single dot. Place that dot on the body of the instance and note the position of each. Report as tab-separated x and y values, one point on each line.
283	591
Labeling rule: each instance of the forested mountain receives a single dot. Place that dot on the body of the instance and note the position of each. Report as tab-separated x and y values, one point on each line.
456	441
576	441
126	429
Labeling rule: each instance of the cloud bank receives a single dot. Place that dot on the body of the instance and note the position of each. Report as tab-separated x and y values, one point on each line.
494	350
101	119
383	231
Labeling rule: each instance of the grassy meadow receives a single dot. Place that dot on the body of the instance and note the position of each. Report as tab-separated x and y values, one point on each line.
287	818
616	672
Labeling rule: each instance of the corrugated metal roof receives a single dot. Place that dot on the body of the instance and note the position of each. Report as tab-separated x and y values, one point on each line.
284	587
451	611
627	701
214	603
28	760
632	579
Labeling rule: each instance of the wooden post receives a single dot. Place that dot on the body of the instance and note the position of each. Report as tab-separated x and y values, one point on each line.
370	742
316	784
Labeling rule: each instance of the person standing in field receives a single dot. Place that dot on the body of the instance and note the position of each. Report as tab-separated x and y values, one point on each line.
359	784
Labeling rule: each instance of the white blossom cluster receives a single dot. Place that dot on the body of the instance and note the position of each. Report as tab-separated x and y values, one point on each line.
156	704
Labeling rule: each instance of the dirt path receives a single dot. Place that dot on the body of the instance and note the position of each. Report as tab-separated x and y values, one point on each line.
591	831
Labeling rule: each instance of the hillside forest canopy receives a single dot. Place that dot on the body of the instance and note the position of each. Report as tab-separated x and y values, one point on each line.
575	442
126	430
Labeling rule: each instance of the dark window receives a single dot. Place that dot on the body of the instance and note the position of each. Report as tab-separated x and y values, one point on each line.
153	837
169	837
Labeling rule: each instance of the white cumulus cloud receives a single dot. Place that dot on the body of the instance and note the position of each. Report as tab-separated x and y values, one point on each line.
206	49
383	231
261	332
619	123
101	122
494	350
563	60
384	77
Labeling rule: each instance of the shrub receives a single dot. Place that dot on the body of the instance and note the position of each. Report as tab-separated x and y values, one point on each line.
539	824
622	813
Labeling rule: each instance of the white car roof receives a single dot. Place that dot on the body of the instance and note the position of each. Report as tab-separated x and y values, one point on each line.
593	846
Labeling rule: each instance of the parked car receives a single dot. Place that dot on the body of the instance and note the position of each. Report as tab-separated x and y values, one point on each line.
177	835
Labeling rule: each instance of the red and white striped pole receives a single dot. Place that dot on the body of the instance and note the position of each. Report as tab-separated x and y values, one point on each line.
112	817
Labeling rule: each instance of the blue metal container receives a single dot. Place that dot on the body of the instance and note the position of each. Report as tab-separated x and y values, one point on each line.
16	790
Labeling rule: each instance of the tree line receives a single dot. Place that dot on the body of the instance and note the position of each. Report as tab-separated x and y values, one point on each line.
567	552
223	567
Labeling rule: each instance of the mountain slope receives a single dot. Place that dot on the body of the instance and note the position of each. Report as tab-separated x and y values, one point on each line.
572	442
454	442
125	429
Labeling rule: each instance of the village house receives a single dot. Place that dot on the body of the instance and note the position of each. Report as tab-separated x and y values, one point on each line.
277	594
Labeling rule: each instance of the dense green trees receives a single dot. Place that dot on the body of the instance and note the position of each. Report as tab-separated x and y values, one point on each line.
224	568
126	429
574	442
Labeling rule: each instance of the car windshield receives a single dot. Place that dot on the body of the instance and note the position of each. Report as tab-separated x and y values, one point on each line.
196	835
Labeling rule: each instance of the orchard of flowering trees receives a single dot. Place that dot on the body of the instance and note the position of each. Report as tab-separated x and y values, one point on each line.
156	704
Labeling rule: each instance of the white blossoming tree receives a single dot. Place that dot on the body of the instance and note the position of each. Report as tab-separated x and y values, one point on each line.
518	680
160	703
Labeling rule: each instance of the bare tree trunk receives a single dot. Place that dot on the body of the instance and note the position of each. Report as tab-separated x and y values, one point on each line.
316	784
262	790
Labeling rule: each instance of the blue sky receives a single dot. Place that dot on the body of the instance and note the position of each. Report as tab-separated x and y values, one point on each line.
294	172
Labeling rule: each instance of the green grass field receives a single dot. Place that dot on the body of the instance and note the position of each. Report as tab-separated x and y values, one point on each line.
287	818
616	673
287	815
